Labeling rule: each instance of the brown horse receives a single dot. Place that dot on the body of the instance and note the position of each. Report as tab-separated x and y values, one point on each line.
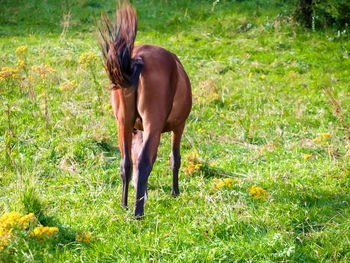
150	94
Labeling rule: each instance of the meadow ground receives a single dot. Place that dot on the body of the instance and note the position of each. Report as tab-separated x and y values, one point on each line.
265	171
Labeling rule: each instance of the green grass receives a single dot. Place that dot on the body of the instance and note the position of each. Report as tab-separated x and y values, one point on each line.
256	128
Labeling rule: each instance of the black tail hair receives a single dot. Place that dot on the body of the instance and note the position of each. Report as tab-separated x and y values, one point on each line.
117	48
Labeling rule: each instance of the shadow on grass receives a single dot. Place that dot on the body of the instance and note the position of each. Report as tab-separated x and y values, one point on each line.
66	235
32	203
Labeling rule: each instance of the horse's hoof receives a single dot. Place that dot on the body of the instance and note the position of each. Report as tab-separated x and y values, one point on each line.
124	206
175	194
138	217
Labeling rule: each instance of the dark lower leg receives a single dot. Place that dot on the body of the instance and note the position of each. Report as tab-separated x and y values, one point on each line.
144	166
144	169
175	157
175	162
125	173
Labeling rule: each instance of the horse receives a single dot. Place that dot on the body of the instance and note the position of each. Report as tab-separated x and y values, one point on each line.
150	94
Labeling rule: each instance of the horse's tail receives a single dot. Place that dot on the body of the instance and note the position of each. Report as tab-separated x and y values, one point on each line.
117	47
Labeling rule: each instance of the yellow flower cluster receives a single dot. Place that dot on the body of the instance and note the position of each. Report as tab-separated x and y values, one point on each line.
86	59
227	182
107	106
215	95
307	156
44	232
8	73
20	64
43	70
68	85
212	164
322	137
193	163
10	221
257	192
86	238
21	51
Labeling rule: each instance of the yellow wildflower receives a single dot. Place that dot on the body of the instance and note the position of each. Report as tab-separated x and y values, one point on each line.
322	137
317	139
11	221
86	238
220	184
257	192
21	51
79	238
13	154
20	63
5	237
68	85
193	163
43	70
107	106
263	76
215	95
212	164
8	73
198	165
307	156
26	219
325	135
250	75
228	181
43	232
86	59
8	220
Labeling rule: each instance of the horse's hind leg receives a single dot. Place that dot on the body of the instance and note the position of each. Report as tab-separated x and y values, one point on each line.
137	141
126	162
175	157
144	166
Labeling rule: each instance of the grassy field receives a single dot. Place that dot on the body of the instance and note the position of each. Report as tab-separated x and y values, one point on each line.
265	171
